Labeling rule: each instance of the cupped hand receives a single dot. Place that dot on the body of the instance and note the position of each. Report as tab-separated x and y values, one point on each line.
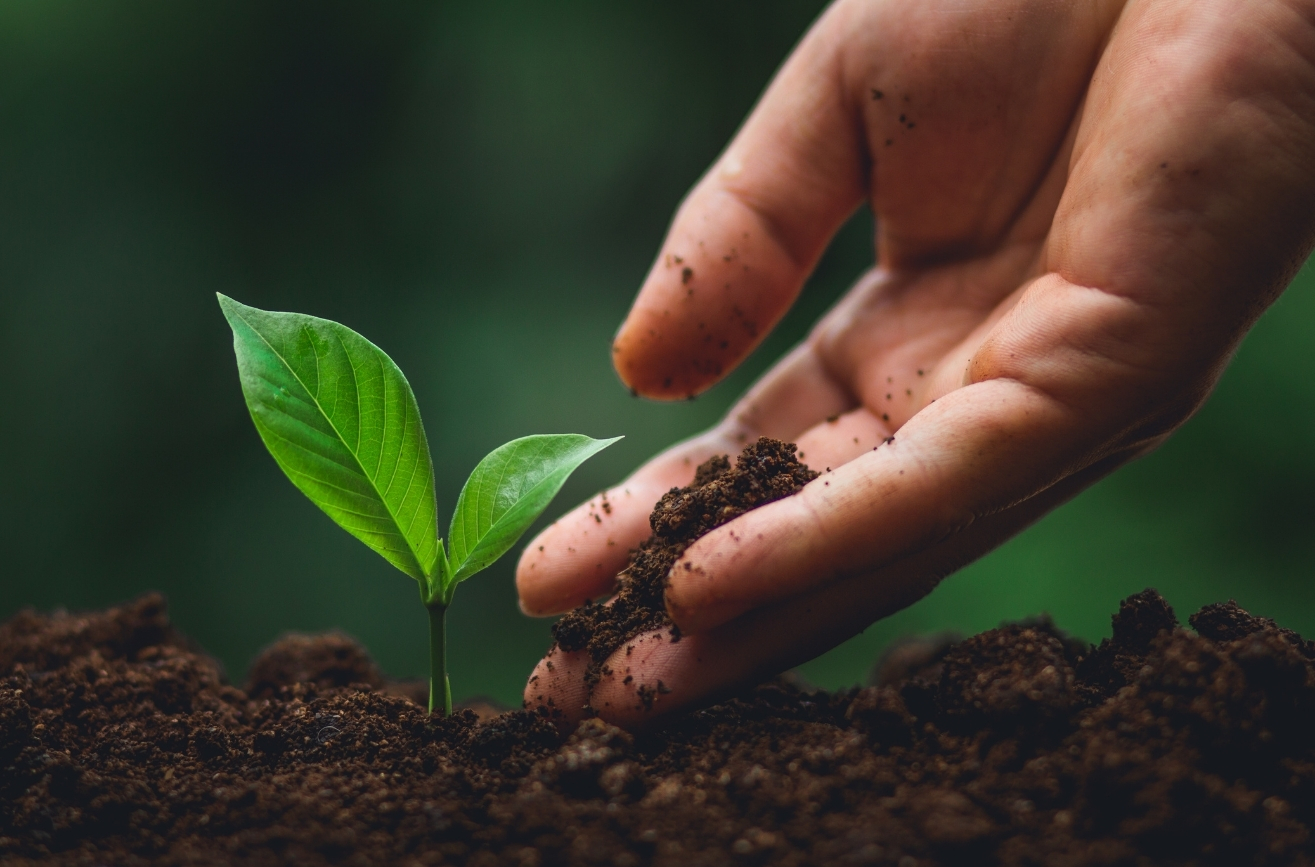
1081	208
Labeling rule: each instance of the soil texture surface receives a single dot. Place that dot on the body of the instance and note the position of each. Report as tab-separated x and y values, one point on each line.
121	743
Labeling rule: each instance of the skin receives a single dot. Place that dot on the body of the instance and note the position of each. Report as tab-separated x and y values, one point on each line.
1081	209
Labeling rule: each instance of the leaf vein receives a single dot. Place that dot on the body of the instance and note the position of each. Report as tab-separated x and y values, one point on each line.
356	390
383	434
420	567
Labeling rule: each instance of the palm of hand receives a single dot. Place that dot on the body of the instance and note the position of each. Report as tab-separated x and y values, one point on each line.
1081	208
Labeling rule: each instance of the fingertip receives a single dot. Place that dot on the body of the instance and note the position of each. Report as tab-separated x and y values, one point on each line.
632	689
719	285
659	358
557	685
577	557
643	680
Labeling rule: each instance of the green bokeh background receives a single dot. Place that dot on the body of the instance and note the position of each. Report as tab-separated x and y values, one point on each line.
479	188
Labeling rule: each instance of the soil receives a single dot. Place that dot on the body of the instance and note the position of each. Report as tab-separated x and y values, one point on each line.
121	743
765	471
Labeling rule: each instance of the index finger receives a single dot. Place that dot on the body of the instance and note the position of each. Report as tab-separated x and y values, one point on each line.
752	229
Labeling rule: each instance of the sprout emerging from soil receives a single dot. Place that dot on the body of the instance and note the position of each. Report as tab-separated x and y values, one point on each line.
342	422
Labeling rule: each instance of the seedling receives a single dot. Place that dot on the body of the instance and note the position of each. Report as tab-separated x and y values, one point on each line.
342	422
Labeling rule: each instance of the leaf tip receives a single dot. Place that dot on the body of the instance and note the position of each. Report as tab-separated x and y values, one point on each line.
230	307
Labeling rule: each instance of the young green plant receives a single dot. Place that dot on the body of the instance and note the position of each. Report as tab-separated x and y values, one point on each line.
342	422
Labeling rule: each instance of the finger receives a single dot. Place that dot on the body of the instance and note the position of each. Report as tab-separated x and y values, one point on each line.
973	452
557	685
652	676
797	393
838	124
752	229
1197	164
841	438
1071	371
578	556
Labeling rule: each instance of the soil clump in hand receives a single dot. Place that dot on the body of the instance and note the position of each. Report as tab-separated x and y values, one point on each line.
765	471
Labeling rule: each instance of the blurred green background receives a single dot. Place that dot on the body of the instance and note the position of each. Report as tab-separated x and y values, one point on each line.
479	188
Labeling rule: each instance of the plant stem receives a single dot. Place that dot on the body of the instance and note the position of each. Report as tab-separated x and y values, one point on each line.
438	682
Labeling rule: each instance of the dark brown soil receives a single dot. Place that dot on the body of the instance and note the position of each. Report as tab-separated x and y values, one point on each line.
120	743
765	471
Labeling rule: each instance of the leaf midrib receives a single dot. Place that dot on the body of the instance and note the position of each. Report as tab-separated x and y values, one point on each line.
316	400
479	536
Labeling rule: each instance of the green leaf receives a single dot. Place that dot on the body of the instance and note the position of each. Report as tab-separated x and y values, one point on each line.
508	490
341	420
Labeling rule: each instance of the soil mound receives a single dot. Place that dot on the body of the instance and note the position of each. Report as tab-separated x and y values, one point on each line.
1013	747
122	744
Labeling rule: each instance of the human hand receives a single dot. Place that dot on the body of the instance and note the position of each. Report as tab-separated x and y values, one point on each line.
1081	208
